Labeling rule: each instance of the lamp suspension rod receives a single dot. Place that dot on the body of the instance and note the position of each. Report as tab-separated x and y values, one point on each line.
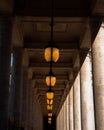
52	19
51	24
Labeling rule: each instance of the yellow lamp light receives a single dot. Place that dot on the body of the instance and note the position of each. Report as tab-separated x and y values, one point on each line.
50	94
51	53
49	118
49	122
50	79
49	101
49	107
50	114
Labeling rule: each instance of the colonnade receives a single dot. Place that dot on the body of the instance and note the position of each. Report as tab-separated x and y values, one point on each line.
83	108
85	101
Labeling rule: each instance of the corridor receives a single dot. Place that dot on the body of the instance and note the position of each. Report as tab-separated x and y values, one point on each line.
51	65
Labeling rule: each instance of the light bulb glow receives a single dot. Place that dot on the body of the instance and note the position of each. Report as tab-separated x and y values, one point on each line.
54	51
49	107
50	95
49	101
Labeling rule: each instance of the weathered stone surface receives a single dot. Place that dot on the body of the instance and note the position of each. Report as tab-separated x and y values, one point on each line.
77	106
87	107
98	71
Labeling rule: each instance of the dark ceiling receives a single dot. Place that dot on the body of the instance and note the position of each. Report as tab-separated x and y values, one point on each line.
62	8
71	34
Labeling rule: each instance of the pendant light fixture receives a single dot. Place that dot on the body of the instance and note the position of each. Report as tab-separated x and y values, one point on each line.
50	78
49	114
49	122
49	118
51	52
49	101
49	107
50	94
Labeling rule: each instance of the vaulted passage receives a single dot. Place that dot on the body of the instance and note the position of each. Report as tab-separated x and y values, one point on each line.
78	31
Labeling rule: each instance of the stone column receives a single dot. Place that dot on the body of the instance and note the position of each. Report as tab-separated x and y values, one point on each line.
25	63
5	48
64	113
77	110
71	109
62	110
67	112
18	85
98	73
61	119
87	95
11	93
60	128
59	124
27	106
24	101
30	104
32	99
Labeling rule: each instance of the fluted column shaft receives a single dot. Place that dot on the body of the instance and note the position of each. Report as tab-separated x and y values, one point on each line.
87	95
5	46
61	119
98	72
71	109
64	111
67	115
77	110
58	122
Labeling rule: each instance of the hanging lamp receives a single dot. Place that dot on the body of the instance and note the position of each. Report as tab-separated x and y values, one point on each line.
49	107
49	101
49	122
51	52
49	118
49	114
50	94
50	79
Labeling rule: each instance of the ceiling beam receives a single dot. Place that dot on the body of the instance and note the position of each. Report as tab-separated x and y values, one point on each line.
57	65
63	77
61	45
43	92
42	86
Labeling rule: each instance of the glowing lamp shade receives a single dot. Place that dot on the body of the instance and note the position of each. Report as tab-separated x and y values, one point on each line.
49	122
49	118
49	101
49	114
49	94
51	54
50	79
49	107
